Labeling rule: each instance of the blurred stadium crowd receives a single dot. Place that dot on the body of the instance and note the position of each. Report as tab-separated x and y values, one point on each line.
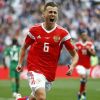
16	16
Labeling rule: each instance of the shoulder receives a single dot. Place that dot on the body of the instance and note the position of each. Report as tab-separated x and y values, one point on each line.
7	50
89	42
62	29
78	43
64	33
33	30
35	26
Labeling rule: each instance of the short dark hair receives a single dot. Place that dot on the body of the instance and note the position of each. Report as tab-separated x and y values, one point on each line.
83	32
52	4
14	41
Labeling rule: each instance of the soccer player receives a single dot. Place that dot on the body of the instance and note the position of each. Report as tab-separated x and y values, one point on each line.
85	49
12	52
46	41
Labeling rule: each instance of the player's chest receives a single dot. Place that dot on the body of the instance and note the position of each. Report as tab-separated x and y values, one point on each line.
82	49
51	38
83	46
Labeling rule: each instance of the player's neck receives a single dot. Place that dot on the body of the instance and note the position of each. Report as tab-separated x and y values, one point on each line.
84	41
48	26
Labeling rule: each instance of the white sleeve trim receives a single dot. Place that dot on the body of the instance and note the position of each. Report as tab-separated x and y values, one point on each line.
31	36
67	37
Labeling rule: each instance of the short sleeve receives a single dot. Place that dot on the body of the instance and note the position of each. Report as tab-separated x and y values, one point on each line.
30	38
68	44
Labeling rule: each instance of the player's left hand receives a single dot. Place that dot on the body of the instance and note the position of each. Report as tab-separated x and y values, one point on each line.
19	68
88	49
70	70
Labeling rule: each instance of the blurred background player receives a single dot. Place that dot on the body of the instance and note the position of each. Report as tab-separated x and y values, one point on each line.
46	41
13	52
85	49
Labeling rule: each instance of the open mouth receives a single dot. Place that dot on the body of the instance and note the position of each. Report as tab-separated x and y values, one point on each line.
52	20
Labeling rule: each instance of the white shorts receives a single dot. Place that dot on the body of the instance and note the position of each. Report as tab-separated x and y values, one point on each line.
38	80
81	70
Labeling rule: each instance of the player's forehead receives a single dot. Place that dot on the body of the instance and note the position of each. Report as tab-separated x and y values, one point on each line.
50	8
84	34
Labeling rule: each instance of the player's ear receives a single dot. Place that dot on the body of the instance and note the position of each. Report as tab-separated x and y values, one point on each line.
43	15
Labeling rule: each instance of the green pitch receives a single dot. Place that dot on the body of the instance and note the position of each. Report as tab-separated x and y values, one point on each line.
62	89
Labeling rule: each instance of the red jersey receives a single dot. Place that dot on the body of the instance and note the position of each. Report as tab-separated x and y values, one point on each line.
84	56
45	49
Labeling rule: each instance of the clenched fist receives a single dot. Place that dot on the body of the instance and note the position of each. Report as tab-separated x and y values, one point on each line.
19	68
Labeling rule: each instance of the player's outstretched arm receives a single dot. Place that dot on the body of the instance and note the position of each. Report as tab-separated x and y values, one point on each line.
75	57
21	57
73	53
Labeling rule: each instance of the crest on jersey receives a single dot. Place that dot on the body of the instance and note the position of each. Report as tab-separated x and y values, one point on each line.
38	37
56	38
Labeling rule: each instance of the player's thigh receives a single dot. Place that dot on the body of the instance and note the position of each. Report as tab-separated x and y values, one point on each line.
36	82
81	70
40	93
14	74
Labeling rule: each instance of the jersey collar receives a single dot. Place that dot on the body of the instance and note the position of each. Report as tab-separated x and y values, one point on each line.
47	30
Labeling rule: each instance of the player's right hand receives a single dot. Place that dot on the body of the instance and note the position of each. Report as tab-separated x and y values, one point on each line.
19	68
